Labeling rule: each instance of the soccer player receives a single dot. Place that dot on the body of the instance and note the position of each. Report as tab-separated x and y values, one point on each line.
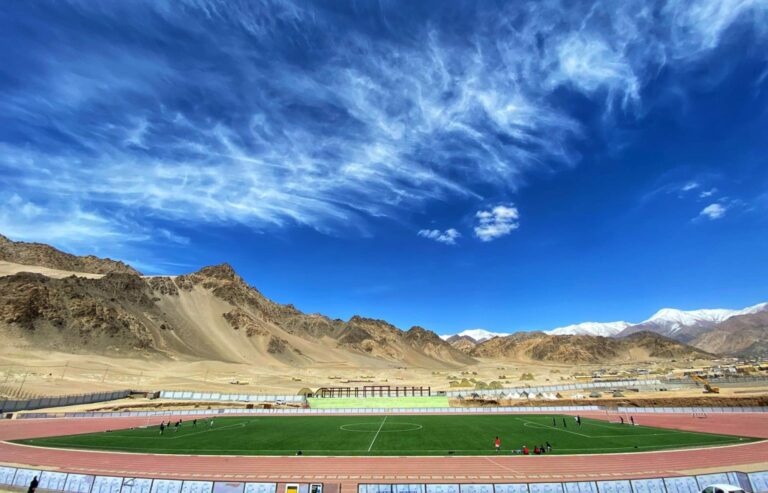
622	419
525	450
632	419
565	425
210	423
549	447
578	420
162	427
554	422
497	443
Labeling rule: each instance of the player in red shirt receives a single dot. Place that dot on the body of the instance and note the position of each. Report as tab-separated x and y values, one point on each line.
497	443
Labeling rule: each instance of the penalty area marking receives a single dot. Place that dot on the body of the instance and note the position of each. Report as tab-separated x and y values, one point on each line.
401	427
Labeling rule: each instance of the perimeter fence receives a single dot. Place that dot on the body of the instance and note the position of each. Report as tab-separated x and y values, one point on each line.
61	401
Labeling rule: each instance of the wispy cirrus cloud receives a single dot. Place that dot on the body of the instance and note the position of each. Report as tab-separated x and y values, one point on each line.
278	113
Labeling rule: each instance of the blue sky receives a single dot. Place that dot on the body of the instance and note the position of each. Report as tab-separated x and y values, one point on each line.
504	165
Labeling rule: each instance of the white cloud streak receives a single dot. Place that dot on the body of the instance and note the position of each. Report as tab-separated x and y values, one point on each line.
448	237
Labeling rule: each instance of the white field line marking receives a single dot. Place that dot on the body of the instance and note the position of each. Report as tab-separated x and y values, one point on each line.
377	433
531	424
641	427
176	437
541	425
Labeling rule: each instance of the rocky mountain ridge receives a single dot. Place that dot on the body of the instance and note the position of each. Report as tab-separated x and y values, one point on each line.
720	331
39	254
585	349
209	314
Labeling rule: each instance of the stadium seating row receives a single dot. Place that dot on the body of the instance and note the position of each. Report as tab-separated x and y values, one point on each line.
427	410
562	388
216	396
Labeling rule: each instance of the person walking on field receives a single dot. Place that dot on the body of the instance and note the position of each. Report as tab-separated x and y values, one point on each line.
565	425
578	420
194	423
632	419
162	427
554	422
210	423
497	443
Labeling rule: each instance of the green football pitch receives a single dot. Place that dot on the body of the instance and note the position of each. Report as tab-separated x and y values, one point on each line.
389	435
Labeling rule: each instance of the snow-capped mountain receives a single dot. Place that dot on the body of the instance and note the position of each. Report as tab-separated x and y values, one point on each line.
683	325
686	325
478	335
760	307
674	320
605	329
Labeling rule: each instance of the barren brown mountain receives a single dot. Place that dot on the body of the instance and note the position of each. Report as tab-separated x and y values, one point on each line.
41	255
210	314
577	349
742	335
462	343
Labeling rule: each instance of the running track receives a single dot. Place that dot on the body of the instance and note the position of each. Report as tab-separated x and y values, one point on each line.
350	470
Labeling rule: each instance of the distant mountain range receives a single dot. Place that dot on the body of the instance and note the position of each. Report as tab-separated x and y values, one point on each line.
54	300
722	331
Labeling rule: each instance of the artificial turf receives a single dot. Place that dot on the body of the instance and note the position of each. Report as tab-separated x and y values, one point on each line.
389	435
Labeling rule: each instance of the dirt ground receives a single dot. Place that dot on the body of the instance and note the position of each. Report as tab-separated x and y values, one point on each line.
24	373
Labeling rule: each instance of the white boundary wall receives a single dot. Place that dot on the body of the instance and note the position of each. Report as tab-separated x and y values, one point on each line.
404	410
755	482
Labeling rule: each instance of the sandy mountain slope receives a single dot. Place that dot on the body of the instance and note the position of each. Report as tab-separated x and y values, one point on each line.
9	268
41	255
578	349
211	314
742	335
462	343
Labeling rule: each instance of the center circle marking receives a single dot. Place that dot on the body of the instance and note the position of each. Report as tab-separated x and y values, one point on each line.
374	427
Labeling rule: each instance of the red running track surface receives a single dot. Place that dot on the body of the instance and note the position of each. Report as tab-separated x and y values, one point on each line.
747	457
